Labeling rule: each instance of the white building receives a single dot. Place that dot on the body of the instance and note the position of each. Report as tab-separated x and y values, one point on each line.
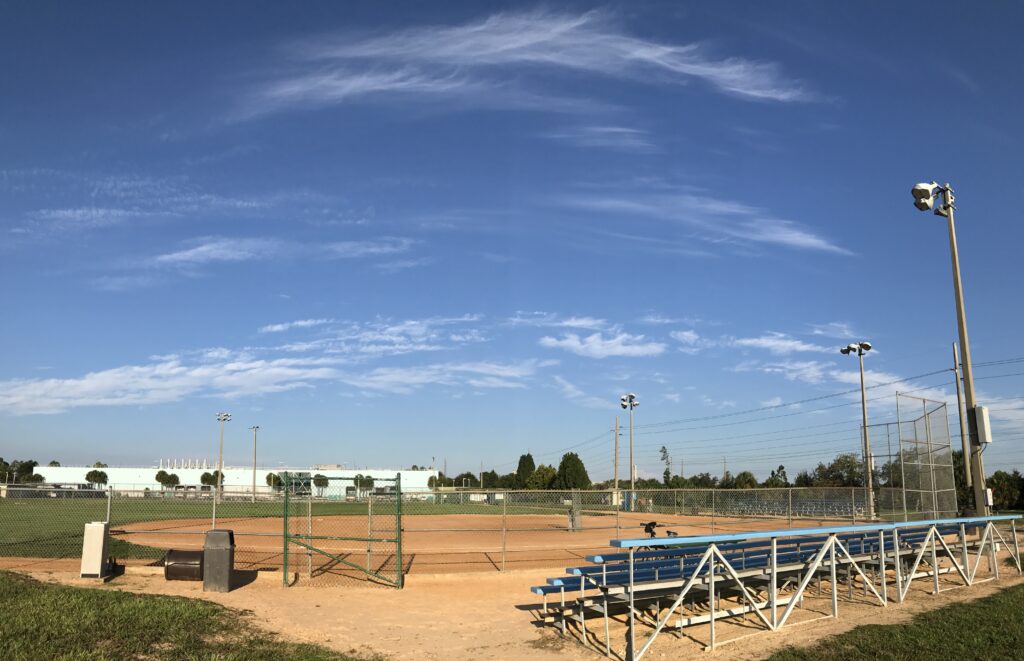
237	480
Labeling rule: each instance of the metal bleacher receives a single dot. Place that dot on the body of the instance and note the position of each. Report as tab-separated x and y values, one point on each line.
763	573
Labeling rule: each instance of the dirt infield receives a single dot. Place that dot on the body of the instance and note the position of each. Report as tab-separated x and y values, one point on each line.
441	544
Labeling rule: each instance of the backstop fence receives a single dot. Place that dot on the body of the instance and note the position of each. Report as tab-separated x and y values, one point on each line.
913	460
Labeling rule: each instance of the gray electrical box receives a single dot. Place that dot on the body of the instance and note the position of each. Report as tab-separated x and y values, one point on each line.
984	425
218	560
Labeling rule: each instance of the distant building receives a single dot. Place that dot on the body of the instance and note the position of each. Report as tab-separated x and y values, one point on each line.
237	480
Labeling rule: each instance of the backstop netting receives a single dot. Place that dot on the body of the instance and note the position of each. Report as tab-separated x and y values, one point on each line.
915	472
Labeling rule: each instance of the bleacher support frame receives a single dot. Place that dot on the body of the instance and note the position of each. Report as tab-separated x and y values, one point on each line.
673	568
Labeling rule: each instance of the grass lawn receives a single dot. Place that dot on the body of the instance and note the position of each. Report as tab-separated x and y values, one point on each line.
53	527
44	621
989	628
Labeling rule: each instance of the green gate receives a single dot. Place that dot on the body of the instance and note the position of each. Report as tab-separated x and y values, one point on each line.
338	529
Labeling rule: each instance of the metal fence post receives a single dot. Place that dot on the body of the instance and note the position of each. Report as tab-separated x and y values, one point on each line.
110	496
504	527
853	503
790	513
284	536
309	532
369	530
398	530
713	517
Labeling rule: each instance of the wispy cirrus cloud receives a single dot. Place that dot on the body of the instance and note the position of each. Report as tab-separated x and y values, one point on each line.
712	220
620	138
553	320
218	249
483	374
388	337
598	346
475	63
835	329
289	325
169	379
576	395
778	344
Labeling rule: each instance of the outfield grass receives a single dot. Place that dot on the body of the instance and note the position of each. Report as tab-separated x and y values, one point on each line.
989	628
44	621
53	527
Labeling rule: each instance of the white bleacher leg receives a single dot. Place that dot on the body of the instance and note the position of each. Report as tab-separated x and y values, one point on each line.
832	573
583	612
631	642
711	592
1016	546
773	594
992	551
964	558
607	634
935	560
881	567
899	565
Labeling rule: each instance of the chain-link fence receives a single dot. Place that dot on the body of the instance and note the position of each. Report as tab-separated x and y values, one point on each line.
344	529
467	530
913	462
339	529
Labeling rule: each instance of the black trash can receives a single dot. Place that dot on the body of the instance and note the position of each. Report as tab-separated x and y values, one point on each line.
183	565
218	560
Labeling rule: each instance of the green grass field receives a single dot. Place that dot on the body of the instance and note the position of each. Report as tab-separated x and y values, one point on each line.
989	628
53	527
44	621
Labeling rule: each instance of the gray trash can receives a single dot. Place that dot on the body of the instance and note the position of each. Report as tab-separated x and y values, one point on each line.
218	560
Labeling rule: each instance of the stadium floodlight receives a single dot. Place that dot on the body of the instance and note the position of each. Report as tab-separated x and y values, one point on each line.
924	195
924	199
860	348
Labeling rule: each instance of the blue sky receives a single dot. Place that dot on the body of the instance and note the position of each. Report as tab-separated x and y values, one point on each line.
389	232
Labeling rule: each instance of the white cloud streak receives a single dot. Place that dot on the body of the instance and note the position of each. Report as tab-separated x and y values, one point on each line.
473	63
286	326
597	346
712	220
574	394
778	344
618	138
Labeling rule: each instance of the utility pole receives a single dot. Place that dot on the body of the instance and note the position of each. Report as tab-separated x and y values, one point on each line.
254	429
964	442
481	473
725	468
977	464
924	199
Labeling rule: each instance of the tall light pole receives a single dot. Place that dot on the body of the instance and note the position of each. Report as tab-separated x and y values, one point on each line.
254	429
860	348
629	401
924	199
217	493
